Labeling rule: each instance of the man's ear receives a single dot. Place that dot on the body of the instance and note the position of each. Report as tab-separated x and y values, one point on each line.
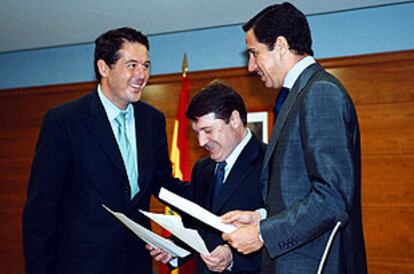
281	45
235	119
103	68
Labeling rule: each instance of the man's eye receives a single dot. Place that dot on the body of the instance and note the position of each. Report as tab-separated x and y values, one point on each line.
146	65
132	65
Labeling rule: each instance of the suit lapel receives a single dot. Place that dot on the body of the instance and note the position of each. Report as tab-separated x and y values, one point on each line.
239	171
280	122
98	124
206	185
142	148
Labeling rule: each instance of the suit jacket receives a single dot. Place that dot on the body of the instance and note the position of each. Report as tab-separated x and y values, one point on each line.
241	190
78	167
311	179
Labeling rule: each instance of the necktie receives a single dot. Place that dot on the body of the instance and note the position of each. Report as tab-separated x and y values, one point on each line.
126	152
218	179
281	97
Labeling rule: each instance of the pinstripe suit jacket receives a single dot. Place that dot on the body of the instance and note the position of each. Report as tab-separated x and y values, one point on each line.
311	177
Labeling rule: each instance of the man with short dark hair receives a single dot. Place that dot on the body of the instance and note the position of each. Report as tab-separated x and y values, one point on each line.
311	170
106	147
218	117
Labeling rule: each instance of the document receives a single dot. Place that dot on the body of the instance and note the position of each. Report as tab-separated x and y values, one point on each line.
174	224
195	210
150	237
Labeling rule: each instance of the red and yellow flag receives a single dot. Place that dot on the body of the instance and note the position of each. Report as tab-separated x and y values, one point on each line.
179	153
179	145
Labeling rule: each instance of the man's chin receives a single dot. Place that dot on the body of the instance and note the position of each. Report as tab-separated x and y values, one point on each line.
135	96
214	157
268	84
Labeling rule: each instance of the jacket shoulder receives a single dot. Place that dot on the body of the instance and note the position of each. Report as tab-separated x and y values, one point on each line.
149	110
71	109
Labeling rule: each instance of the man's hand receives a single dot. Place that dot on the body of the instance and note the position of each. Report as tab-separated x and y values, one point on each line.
241	218
218	260
158	254
244	239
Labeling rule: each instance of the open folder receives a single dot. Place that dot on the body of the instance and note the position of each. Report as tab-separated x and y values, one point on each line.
195	210
150	237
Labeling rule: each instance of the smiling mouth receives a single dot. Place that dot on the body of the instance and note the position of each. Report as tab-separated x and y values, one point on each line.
262	77
209	147
137	86
261	74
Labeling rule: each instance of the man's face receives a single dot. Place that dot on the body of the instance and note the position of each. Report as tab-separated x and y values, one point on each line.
266	63
215	136
124	81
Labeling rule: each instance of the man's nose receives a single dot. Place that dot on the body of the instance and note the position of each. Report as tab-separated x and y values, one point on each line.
202	140
139	71
252	64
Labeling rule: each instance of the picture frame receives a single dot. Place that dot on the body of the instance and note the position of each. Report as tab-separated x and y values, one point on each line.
258	123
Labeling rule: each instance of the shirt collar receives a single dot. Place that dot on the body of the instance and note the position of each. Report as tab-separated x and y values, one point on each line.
112	111
296	70
231	159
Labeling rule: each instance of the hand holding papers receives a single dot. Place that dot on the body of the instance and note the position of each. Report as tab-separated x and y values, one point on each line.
175	225
150	237
195	210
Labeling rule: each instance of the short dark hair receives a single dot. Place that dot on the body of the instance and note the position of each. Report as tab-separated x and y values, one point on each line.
282	20
219	99
109	43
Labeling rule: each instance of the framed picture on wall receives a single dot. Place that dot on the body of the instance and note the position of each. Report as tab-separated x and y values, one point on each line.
257	122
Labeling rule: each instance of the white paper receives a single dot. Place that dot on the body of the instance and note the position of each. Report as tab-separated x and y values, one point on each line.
195	210
150	237
174	224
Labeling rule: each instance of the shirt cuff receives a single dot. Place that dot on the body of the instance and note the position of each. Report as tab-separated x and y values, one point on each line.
174	262
230	266
263	215
262	212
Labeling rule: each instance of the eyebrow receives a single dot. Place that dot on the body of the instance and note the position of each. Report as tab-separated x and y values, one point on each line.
136	61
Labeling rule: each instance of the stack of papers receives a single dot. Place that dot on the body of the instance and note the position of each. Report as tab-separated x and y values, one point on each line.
195	210
150	237
175	225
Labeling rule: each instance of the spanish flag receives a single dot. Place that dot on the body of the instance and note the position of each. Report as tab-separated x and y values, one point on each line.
179	145
179	153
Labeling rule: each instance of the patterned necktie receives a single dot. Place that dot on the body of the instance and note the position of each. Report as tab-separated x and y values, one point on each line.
126	152
218	179
281	97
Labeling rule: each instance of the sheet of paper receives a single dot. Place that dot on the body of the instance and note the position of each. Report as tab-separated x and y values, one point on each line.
195	210
150	237
174	224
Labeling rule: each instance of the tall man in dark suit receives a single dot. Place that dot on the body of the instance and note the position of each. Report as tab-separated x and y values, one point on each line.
218	117
106	147
311	171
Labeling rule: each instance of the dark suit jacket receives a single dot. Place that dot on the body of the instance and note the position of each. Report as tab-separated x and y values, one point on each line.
78	167
241	190
311	178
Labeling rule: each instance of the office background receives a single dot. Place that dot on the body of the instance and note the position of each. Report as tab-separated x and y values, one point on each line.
363	31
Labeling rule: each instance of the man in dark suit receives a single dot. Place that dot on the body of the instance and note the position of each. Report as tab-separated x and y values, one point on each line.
218	117
311	170
108	148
